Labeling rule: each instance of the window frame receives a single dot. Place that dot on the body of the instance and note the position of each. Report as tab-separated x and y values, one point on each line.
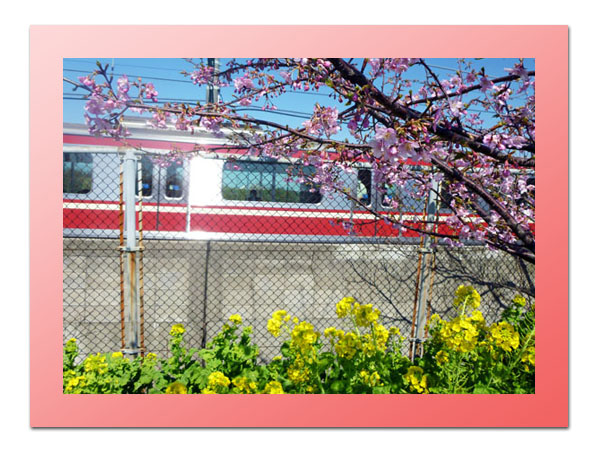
269	187
140	162
166	184
72	170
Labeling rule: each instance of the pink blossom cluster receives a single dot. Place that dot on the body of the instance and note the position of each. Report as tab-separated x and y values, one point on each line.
243	83
502	141
324	121
440	125
212	123
203	75
392	149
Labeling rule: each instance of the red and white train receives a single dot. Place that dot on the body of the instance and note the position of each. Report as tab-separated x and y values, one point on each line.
209	196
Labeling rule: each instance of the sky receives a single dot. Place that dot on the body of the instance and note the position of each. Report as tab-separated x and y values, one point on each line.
293	108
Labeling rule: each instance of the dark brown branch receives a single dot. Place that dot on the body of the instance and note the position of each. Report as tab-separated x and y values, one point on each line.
469	89
349	73
524	235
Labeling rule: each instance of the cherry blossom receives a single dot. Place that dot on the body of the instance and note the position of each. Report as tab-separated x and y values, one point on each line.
396	123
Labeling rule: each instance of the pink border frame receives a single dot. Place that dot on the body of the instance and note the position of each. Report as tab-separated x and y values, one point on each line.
548	407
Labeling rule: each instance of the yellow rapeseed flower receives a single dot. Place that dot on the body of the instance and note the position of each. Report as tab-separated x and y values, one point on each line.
365	314
348	345
344	306
176	387
235	319
95	363
529	356
417	380
244	385
370	379
329	332
477	317
298	375
442	357
177	330
274	326
519	301
504	336
304	336
276	321
459	334
280	315
218	379
434	321
273	387
381	336
467	295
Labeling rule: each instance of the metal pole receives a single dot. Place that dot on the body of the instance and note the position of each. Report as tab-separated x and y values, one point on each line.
212	88
425	268
205	299
188	211
131	258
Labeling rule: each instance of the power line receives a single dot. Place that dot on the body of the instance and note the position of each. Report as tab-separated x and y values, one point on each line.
301	114
87	72
282	112
134	76
169	69
93	61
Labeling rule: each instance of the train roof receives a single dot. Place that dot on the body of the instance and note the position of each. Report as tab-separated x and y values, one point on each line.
140	130
165	139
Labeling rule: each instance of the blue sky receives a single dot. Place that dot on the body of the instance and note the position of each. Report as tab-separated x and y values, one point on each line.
293	108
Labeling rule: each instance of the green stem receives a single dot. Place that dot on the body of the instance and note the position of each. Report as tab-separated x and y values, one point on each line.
456	374
523	348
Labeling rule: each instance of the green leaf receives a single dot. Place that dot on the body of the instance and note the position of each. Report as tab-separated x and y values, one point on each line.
482	389
325	361
381	389
338	387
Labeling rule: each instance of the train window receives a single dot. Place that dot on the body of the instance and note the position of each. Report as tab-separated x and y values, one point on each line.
174	184
77	173
364	186
147	167
268	182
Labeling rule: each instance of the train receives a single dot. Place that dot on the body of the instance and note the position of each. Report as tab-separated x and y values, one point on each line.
219	194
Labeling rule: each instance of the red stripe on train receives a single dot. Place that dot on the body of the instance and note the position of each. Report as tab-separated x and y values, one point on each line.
98	219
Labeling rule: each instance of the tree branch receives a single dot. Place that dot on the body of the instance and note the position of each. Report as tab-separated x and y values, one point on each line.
349	73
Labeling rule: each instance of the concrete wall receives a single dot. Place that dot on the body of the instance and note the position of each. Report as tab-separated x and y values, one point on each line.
255	279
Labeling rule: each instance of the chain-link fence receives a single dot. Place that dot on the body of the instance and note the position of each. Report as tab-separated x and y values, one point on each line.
250	237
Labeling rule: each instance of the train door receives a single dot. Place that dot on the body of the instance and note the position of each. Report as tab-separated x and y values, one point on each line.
382	202
173	197
364	223
164	193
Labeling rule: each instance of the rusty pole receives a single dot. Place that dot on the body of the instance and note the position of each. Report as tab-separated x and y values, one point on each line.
121	261
141	258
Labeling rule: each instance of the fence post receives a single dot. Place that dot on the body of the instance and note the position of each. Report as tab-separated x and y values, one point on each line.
426	272
130	255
